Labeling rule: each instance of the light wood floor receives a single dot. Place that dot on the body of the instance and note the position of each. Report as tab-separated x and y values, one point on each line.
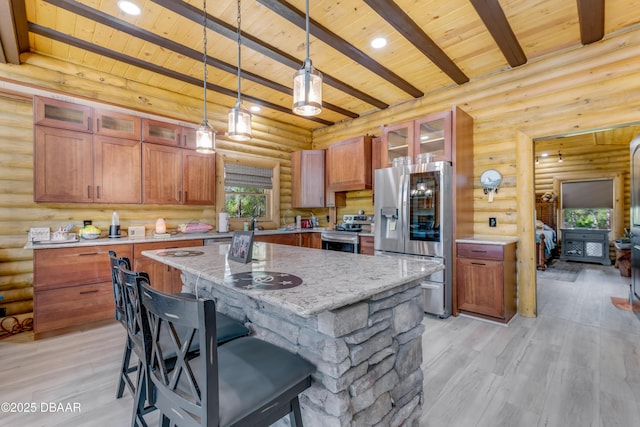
576	364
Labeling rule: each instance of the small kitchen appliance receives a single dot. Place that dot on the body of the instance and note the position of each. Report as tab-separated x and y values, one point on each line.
114	228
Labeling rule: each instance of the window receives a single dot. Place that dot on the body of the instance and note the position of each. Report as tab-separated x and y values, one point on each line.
587	203
247	190
251	189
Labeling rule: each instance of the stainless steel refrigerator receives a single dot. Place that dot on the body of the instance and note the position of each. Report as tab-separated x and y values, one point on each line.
413	214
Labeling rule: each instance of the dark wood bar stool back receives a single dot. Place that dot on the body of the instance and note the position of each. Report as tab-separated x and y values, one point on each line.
126	370
140	335
246	382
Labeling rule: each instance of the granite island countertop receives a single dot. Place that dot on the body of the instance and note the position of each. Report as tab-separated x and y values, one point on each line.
330	279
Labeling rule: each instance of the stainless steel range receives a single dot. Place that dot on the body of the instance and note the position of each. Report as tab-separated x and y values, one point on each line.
345	238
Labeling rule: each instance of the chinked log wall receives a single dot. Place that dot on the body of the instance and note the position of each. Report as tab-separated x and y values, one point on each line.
584	88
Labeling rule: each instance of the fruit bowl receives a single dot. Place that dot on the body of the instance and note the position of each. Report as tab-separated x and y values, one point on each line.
90	232
90	236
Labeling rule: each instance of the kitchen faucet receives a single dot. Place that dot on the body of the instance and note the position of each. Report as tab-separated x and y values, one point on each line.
252	227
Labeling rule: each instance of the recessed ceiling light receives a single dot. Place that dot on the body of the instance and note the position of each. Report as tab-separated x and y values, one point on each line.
378	42
129	7
254	108
544	155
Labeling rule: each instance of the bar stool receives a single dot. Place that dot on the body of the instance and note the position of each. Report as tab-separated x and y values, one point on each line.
140	336
244	382
118	298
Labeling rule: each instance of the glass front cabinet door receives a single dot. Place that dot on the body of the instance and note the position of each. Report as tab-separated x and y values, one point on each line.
429	136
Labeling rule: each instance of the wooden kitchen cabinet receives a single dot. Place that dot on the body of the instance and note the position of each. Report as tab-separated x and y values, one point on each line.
198	178
72	286
430	134
292	239
172	175
62	114
486	280
307	178
349	164
73	166
63	165
162	277
165	133
116	169
119	125
311	240
366	245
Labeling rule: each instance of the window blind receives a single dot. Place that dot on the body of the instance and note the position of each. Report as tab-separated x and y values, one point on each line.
592	194
238	175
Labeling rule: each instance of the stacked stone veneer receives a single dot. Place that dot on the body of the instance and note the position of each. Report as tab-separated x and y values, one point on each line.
367	355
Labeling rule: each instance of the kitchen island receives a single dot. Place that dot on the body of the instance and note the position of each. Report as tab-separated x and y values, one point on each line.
357	318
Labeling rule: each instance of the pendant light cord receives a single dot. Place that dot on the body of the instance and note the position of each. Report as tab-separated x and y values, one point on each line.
204	60
307	28
239	44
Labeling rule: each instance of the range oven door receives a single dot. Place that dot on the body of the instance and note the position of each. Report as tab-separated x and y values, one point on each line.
340	242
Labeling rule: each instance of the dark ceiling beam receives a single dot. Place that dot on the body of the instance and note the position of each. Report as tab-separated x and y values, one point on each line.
398	19
65	38
224	29
496	22
298	18
591	15
130	29
14	35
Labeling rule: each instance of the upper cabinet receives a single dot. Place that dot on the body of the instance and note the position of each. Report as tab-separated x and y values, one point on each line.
173	175
349	164
307	179
165	133
430	134
73	166
61	114
119	125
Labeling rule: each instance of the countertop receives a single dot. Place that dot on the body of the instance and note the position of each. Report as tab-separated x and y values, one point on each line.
330	279
214	235
488	240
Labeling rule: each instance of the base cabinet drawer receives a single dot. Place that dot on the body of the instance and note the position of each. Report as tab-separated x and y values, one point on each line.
73	305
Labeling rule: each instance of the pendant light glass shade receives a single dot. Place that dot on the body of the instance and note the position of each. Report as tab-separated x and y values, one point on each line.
239	123
205	135
307	84
205	138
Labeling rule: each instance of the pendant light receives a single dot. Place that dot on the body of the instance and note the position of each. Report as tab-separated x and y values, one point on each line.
205	135
239	117
307	85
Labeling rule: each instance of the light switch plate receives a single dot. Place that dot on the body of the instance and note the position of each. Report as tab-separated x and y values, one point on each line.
136	232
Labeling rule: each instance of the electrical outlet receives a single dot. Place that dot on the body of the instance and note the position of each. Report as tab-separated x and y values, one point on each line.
328	218
492	222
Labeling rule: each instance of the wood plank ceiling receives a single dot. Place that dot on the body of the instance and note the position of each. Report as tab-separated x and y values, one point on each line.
432	44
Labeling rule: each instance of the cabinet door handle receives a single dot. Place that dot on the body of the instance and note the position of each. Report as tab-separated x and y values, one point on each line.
97	192
88	253
478	251
89	124
97	125
180	196
88	191
95	291
478	263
